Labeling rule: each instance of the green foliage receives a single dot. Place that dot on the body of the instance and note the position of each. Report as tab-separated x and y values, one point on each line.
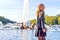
55	20
5	21
59	20
33	21
49	20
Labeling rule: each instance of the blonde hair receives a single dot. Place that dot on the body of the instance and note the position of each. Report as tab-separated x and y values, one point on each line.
40	7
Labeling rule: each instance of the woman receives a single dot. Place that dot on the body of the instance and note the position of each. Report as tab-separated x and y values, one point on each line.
41	32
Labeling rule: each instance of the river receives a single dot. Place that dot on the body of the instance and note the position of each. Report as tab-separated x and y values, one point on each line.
23	34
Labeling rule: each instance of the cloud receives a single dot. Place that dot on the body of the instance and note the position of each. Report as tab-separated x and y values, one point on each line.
11	9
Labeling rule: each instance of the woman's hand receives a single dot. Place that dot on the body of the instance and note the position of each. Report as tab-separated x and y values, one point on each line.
44	30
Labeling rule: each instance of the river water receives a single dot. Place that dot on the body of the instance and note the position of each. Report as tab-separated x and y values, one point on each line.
23	34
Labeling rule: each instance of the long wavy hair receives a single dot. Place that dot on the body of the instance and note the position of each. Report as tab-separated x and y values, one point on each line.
40	7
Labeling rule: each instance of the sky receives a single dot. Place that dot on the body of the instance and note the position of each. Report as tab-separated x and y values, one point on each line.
13	9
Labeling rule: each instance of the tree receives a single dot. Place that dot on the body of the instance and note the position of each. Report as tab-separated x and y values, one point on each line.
33	21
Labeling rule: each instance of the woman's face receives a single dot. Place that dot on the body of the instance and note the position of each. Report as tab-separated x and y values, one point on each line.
41	7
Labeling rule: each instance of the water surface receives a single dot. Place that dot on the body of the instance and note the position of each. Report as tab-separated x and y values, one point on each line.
19	34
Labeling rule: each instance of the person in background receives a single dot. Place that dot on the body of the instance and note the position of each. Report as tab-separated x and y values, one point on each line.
41	30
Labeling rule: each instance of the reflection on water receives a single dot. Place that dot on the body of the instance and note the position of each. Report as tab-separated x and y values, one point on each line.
19	34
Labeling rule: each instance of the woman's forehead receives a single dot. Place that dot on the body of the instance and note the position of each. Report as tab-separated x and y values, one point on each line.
41	6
